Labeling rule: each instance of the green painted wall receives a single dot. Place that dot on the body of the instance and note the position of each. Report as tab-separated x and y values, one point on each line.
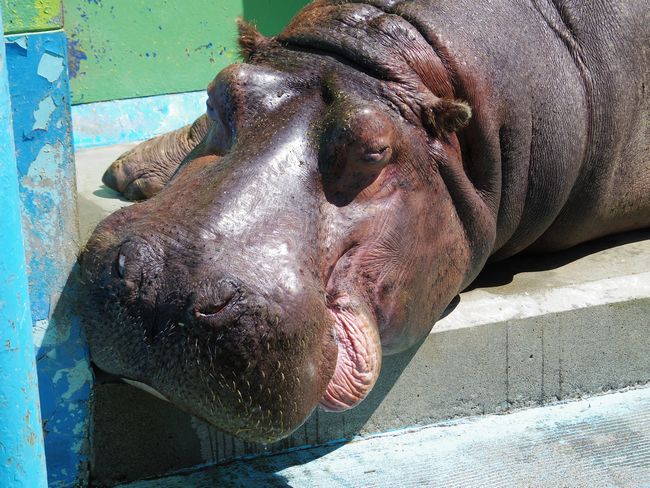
31	15
133	48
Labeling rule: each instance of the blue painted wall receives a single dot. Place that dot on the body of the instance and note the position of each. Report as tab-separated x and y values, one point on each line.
135	119
40	99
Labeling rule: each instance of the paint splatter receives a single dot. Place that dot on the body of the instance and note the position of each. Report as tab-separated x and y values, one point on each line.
75	56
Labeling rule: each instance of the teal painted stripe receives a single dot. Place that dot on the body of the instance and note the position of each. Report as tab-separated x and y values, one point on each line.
22	455
121	121
39	89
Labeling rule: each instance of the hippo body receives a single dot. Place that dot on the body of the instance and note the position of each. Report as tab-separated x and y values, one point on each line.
348	180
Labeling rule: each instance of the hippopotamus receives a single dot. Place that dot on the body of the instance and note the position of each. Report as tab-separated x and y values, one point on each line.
349	178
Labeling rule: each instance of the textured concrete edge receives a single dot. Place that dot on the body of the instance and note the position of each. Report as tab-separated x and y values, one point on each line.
499	308
493	369
122	121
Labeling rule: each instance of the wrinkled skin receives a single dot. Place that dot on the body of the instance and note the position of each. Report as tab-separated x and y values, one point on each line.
338	195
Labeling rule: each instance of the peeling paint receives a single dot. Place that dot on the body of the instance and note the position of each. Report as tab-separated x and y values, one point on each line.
122	50
75	56
22	458
77	378
50	67
20	42
38	331
43	113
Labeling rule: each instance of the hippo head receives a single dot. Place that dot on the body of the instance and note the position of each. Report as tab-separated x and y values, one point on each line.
315	228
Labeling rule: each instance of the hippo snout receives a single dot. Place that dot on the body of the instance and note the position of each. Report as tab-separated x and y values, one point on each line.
195	326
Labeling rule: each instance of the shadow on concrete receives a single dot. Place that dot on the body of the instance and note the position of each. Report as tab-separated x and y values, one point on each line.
106	192
136	436
502	272
271	16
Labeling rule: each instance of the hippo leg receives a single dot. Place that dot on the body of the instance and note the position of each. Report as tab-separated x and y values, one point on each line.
143	171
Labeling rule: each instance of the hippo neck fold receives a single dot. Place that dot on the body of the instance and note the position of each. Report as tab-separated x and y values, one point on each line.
392	50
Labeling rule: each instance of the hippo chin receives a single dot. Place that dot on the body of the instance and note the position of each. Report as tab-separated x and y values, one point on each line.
348	180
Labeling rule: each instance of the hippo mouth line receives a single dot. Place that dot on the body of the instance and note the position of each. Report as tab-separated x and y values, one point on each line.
358	361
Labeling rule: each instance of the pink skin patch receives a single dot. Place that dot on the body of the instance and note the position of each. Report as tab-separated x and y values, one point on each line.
358	362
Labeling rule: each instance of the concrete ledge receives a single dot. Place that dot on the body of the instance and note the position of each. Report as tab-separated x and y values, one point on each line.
530	331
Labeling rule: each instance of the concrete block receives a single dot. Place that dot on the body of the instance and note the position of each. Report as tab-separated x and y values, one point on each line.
530	331
39	89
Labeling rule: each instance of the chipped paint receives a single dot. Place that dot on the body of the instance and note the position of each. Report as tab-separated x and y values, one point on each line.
43	113
127	48
50	67
75	56
77	378
131	48
42	131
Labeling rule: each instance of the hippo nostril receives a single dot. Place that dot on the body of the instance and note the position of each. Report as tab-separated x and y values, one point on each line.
121	261
216	305
215	298
211	309
134	255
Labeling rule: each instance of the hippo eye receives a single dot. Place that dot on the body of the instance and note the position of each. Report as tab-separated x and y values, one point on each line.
378	156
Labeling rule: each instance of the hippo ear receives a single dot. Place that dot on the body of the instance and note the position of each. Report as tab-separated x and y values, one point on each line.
446	115
250	39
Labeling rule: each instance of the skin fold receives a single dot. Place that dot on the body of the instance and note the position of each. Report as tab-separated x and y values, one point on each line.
348	180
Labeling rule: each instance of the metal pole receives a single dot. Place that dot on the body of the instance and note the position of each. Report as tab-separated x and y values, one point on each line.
22	456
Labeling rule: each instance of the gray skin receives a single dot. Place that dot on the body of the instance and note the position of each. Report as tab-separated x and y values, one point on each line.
340	195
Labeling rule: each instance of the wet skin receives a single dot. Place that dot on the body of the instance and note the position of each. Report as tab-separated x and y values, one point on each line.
337	196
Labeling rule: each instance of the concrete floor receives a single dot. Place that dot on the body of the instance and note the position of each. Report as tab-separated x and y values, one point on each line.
603	441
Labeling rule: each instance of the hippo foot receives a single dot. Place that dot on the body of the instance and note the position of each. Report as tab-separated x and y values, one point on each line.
132	177
143	171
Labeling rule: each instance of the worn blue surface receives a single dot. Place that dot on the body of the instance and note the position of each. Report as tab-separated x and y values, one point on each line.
602	441
137	119
42	131
22	458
